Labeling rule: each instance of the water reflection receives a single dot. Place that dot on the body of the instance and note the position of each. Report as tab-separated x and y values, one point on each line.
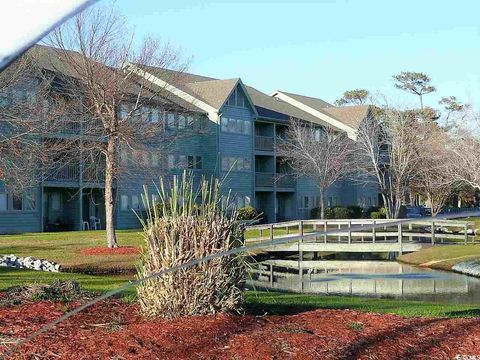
366	278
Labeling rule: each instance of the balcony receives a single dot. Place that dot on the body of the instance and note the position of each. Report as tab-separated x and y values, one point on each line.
264	143
94	174
66	173
264	179
71	173
285	181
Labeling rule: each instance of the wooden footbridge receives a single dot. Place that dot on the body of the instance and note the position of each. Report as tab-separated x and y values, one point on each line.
363	235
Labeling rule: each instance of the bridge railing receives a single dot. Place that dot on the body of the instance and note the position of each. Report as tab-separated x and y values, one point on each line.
379	231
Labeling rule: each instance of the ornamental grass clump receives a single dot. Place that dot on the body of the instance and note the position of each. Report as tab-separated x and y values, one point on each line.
190	223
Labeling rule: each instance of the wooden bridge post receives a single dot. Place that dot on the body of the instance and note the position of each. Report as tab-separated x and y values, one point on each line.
349	231
300	255
271	275
271	232
466	233
433	232
325	228
400	239
374	231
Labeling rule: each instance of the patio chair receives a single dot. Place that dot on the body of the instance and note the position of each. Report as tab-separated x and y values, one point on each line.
86	225
96	224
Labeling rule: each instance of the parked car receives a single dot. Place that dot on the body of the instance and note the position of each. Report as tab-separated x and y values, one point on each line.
415	212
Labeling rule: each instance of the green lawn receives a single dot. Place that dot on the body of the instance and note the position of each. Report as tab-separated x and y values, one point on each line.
98	283
260	302
64	248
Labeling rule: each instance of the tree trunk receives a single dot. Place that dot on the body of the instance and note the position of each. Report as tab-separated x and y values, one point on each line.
322	206
421	102
110	166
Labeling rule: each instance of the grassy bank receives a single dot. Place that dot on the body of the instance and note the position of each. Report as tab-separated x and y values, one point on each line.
259	302
442	257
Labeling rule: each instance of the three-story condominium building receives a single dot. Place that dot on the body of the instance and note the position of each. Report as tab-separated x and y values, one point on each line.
239	128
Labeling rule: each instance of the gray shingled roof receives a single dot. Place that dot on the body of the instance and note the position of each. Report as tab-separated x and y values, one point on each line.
351	115
265	101
314	103
50	58
213	92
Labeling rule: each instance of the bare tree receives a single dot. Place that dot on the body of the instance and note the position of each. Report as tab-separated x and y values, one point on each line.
113	103
25	112
317	152
388	155
414	83
431	180
465	164
353	97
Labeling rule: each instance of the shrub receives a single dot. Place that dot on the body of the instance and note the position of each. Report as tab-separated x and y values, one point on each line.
341	212
367	213
380	214
328	214
248	213
184	232
355	211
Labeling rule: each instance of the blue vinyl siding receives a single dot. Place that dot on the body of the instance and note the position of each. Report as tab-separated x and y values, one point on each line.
238	145
20	221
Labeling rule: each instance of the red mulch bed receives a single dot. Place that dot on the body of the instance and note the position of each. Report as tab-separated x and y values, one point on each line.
103	250
114	330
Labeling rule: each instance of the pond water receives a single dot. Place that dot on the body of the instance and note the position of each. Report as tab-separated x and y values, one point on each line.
366	278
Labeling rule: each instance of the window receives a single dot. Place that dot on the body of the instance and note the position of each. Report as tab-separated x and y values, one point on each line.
171	161
199	163
236	98
235	164
124	202
190	120
182	162
56	201
191	162
155	160
170	120
224	124
306	202
232	125
236	126
182	122
135	202
31	200
3	202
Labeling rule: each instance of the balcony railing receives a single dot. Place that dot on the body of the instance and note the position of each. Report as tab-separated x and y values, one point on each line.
94	174
264	143
71	173
285	181
264	179
66	173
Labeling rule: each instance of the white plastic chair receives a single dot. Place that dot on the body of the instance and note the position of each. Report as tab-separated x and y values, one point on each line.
86	225
96	224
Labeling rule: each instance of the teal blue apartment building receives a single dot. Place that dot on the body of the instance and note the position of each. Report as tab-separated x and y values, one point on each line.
237	143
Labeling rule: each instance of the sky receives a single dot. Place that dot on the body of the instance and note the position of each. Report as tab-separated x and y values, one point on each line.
322	48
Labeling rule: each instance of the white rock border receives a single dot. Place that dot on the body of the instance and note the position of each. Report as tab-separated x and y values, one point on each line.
28	262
